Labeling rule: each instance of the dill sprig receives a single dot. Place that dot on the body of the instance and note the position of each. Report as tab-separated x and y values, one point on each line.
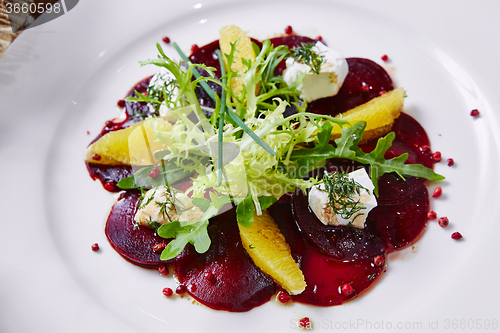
306	55
341	192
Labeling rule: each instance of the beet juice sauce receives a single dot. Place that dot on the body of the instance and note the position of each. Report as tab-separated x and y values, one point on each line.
338	262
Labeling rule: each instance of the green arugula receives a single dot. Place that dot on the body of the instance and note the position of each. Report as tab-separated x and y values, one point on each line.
186	232
246	208
347	148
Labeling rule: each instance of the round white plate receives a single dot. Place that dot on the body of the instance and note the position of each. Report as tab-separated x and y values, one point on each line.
63	78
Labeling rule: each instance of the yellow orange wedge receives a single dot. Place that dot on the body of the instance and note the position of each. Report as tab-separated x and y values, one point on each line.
229	34
270	252
134	145
379	114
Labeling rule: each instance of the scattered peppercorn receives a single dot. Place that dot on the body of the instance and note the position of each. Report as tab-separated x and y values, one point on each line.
96	157
431	215
347	289
121	103
365	88
158	247
381	92
192	287
456	235
95	247
379	261
283	297
166	40
167	292
109	186
436	157
438	191
181	289
194	48
163	270
385	58
288	30
305	323
319	38
443	221
451	162
474	113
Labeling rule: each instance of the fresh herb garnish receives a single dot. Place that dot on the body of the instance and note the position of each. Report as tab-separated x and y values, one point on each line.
342	190
306	55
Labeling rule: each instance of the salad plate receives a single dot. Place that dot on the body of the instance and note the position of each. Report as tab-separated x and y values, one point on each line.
60	81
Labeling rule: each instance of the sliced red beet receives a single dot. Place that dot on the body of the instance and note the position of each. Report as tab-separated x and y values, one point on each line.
362	72
402	223
109	173
341	242
289	41
134	244
325	277
225	277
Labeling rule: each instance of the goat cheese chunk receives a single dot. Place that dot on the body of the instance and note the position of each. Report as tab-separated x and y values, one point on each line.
162	205
314	86
319	202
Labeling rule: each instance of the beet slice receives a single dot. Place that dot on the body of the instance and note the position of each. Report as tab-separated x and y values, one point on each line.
402	223
340	242
135	245
325	277
362	72
225	277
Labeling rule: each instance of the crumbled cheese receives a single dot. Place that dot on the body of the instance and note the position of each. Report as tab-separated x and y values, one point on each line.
320	204
315	86
162	206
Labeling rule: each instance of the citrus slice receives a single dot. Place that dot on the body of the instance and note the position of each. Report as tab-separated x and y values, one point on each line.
379	114
270	252
231	34
134	145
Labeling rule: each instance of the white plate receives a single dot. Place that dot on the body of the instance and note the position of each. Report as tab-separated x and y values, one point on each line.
62	79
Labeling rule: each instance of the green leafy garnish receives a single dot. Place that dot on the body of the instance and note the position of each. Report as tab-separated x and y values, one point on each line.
306	55
341	191
246	208
169	174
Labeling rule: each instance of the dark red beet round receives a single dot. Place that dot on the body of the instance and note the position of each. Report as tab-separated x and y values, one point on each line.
135	245
362	72
402	223
340	242
238	285
109	173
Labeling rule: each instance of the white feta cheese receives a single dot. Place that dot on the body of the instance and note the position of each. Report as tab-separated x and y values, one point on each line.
162	206
315	86
320	204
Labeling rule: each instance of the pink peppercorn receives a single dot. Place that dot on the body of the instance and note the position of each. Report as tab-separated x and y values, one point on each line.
95	247
167	292
384	57
443	221
438	191
381	92
163	270
436	157
194	48
456	235
431	215
378	261
181	289
166	40
451	162
283	297
158	247
474	113
288	30
319	38
305	323
121	103
109	186
346	289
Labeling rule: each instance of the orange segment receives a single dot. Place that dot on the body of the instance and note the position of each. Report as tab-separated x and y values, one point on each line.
379	114
270	252
230	34
134	145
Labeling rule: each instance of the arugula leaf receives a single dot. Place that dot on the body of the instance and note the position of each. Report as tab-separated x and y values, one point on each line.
347	147
246	208
195	234
170	173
